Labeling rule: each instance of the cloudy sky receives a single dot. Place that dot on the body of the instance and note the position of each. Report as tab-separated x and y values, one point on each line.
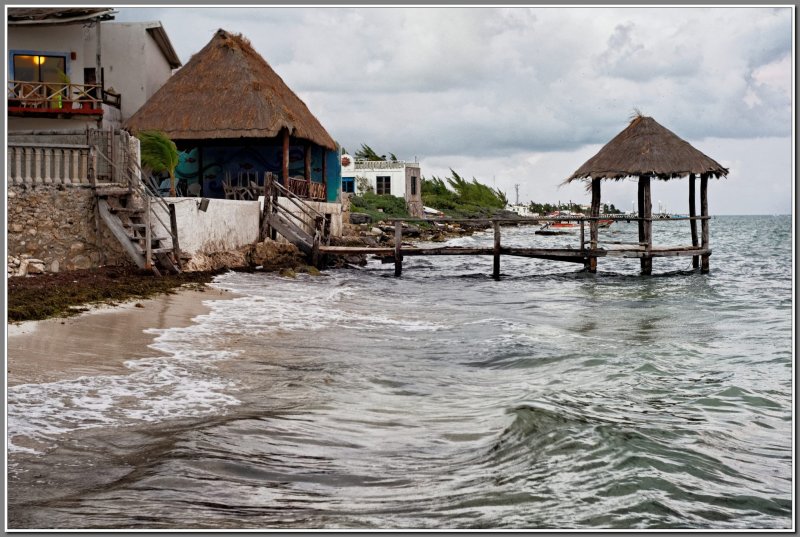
526	95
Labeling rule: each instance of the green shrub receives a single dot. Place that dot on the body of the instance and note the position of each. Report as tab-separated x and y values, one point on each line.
369	203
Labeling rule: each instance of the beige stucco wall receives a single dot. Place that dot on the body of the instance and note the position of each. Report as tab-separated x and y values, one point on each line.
134	65
66	39
225	226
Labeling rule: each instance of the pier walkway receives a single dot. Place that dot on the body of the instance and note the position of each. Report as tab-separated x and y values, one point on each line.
586	253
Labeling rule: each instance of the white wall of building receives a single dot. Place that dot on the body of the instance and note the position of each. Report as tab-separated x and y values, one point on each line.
134	64
57	38
225	225
400	174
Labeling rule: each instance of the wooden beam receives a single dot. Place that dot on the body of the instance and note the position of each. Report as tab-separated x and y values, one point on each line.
693	223
704	223
285	159
646	225
307	163
593	225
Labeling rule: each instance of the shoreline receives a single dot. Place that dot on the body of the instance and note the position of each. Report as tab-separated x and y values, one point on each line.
101	340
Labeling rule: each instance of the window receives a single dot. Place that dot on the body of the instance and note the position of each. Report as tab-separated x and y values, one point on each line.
383	185
348	184
33	68
413	185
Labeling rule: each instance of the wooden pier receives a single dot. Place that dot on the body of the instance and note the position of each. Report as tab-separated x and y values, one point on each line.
586	253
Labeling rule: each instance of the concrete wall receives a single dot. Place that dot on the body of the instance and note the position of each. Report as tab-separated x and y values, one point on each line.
413	195
56	224
332	209
225	225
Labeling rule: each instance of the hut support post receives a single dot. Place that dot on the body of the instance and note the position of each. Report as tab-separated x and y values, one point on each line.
398	241
307	165
496	251
693	223
593	224
704	224
285	159
646	223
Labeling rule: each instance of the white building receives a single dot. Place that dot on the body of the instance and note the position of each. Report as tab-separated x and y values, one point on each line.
397	178
69	67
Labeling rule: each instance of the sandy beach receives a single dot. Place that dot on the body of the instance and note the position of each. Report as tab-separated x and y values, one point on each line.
99	341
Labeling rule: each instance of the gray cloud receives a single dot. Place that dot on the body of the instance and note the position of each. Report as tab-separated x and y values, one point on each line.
497	82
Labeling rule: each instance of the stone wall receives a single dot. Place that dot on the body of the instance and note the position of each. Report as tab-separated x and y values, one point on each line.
53	228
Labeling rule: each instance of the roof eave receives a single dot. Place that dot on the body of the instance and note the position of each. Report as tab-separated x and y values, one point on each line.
161	38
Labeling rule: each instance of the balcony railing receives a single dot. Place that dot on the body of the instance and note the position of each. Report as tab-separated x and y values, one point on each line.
384	164
303	188
54	97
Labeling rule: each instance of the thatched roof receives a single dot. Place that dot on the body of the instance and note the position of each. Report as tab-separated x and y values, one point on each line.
227	90
18	16
647	148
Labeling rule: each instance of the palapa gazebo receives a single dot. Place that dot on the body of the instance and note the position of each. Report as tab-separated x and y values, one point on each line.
647	150
231	114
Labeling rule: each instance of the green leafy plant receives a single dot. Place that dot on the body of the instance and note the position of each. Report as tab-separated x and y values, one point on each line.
379	207
458	197
159	154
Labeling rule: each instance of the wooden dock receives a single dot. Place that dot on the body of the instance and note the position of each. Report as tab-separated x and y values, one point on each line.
586	253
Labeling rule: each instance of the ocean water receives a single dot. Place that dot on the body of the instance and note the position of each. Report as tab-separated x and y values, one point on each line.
443	399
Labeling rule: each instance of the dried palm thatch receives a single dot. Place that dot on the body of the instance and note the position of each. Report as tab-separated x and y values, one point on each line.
226	91
647	148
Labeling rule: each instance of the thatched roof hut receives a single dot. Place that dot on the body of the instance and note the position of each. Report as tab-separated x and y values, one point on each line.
227	90
647	148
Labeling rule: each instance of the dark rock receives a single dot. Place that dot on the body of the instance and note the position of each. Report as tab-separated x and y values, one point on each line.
360	218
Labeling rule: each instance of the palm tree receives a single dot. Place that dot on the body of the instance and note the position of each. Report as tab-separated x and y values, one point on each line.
159	154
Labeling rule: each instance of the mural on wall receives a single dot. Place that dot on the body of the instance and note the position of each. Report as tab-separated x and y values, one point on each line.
242	161
236	162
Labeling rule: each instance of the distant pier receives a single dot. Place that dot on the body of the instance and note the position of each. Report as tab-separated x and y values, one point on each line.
587	253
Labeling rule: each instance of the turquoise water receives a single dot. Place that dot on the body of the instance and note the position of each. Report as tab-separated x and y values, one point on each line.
444	399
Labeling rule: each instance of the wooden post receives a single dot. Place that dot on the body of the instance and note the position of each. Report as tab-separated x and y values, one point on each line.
273	234
704	224
496	251
307	163
693	223
148	241
315	257
285	159
646	224
398	256
593	225
173	224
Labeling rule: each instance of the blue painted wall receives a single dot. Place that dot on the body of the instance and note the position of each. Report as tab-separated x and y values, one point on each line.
333	170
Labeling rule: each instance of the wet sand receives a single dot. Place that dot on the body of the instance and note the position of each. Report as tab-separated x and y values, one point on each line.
100	341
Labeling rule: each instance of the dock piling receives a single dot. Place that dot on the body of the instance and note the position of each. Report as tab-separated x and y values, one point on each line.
398	256
496	251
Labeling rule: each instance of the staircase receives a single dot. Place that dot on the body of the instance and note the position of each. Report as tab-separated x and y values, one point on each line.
125	208
292	226
129	222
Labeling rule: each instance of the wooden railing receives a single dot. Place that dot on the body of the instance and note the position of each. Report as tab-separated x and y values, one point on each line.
50	164
303	188
383	164
54	97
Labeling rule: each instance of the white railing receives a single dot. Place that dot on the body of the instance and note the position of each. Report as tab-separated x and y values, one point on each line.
384	164
49	164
